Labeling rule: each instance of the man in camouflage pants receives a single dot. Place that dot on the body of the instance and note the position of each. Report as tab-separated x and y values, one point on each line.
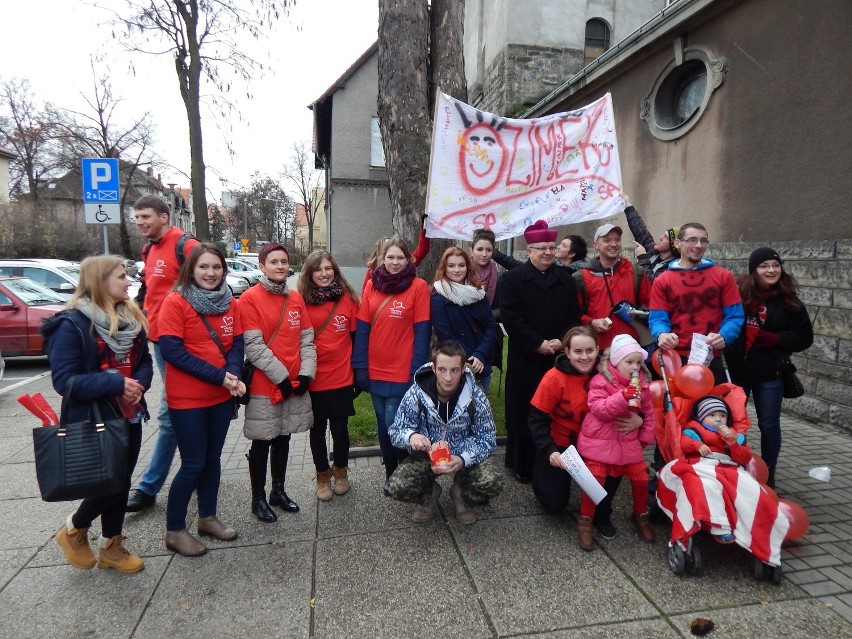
445	404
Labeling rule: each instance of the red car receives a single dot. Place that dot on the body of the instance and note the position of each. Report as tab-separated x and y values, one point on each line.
24	303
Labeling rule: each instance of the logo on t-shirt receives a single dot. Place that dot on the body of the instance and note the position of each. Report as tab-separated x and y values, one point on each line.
341	324
295	319
397	309
227	325
159	268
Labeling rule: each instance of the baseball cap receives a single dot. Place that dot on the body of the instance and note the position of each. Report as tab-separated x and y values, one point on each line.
606	228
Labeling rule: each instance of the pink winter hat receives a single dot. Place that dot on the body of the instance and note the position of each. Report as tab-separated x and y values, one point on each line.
539	232
622	346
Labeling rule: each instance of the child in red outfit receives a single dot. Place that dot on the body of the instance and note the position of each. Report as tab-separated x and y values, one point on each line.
609	450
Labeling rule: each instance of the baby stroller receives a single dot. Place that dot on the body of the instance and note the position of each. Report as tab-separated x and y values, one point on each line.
715	494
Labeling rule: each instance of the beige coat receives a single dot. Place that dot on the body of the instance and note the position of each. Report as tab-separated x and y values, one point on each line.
265	420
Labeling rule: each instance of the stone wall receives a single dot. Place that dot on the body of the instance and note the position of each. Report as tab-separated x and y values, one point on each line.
523	74
824	272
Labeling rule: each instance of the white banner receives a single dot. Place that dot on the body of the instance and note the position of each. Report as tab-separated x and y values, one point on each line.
581	474
505	174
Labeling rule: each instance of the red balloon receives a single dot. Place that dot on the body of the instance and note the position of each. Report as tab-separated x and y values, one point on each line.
693	380
758	469
797	517
671	360
657	390
772	494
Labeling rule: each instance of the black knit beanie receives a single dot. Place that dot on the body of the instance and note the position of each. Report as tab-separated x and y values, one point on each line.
759	256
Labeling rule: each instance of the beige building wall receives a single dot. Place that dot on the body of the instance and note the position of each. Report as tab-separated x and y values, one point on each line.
4	179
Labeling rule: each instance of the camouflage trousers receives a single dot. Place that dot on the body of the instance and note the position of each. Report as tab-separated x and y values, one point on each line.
413	479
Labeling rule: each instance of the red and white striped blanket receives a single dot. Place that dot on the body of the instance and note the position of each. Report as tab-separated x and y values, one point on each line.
722	498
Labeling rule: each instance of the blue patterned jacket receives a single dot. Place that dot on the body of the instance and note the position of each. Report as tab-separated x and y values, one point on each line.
469	431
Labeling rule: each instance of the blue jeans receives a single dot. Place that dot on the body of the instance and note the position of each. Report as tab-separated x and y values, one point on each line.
767	399
164	452
200	434
386	408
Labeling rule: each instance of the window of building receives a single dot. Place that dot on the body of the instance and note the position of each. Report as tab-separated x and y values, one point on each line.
682	92
377	151
597	39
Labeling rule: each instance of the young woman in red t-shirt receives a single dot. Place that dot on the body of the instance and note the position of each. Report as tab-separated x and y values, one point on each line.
280	343
332	307
202	378
392	339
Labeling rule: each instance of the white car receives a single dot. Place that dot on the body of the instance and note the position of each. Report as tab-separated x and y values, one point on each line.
244	269
60	276
237	284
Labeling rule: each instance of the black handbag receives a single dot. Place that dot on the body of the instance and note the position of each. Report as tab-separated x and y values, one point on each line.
83	459
792	384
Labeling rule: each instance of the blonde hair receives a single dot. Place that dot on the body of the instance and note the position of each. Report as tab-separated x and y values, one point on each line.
377	253
94	272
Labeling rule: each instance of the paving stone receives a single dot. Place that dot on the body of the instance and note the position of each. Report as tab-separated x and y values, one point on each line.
840	607
822	588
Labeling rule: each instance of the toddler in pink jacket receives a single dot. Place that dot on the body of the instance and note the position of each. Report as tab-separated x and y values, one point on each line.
612	450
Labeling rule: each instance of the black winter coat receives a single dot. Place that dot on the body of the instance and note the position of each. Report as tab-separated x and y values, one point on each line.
761	364
533	307
72	352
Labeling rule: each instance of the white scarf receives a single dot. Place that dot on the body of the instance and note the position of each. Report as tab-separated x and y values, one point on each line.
459	294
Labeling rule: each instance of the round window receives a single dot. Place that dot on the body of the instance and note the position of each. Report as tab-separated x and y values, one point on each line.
681	94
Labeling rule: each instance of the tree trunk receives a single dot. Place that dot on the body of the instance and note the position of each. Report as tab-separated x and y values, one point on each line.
190	90
403	109
412	67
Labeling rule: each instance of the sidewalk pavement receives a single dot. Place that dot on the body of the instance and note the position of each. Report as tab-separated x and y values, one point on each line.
358	567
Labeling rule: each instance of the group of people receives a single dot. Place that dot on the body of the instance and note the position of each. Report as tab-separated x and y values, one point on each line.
297	358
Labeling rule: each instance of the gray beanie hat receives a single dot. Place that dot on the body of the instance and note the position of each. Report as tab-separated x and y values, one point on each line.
706	405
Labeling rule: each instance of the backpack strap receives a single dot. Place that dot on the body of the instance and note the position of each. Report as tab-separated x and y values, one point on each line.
180	247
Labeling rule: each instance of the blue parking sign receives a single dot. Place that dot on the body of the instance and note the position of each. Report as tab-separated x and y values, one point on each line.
100	181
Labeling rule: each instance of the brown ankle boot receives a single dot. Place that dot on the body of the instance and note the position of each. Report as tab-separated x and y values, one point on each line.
643	528
212	527
341	480
75	545
183	543
585	537
323	486
113	554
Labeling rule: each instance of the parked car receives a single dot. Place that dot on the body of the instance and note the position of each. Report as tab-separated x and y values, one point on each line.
60	276
244	269
24	304
237	284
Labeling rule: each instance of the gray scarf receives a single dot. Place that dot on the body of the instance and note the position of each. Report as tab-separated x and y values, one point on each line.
272	287
206	302
119	342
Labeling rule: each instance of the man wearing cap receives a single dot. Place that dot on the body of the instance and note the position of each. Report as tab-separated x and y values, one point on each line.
654	256
606	281
693	295
538	304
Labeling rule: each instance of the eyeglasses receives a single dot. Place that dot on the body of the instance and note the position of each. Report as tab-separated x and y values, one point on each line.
692	241
544	249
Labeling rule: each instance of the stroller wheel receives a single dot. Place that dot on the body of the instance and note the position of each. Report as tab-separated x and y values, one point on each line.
694	563
677	559
766	572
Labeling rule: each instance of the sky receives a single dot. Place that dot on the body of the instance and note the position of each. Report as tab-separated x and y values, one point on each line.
305	54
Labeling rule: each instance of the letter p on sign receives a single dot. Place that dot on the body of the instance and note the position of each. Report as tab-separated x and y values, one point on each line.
101	173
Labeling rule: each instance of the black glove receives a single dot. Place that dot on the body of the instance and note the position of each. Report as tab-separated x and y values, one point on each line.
286	388
362	379
302	388
423	217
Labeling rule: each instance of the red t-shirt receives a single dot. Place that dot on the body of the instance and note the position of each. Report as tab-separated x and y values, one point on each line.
261	310
565	398
334	344
694	300
391	345
179	319
161	273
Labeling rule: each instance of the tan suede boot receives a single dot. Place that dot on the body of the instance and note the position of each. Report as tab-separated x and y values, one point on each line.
113	554
75	544
341	480
643	528
324	486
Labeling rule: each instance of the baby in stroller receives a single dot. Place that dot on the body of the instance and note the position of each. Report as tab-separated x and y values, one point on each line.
707	487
